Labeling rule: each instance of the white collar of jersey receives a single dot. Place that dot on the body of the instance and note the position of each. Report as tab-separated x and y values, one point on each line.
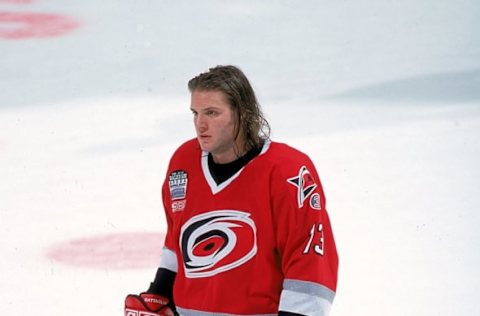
219	187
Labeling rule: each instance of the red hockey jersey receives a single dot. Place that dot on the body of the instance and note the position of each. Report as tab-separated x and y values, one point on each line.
257	243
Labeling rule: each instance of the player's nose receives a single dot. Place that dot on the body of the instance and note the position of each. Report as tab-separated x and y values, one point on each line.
201	124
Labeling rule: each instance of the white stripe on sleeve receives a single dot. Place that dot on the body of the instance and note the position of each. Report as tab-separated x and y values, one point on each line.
306	298
169	260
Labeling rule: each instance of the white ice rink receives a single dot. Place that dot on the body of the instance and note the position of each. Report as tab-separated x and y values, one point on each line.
383	95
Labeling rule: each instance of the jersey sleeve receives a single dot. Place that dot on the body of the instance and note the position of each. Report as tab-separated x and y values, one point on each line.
304	239
167	270
169	258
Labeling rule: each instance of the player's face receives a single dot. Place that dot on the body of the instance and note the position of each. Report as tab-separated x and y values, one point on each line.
215	124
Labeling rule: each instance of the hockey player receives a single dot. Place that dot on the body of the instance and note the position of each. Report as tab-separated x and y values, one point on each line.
248	230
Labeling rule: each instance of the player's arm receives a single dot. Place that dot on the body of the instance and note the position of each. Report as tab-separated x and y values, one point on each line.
165	276
305	243
158	299
163	283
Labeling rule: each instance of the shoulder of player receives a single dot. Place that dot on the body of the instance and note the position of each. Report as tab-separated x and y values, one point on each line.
284	155
286	161
187	149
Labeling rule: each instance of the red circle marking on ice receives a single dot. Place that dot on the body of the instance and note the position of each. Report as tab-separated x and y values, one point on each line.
27	25
17	1
117	251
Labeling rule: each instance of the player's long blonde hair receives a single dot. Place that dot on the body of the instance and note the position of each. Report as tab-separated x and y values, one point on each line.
234	84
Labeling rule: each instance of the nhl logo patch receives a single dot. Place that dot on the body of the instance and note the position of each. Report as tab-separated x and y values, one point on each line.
177	182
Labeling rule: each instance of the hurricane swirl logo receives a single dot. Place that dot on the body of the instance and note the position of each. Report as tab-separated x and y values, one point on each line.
216	242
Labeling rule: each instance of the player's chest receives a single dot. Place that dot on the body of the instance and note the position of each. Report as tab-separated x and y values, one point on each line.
219	230
194	190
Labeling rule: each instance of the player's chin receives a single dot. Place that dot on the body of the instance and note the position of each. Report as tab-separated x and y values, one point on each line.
204	145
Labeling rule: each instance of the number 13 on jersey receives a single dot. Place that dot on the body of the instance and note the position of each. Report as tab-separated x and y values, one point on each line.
315	241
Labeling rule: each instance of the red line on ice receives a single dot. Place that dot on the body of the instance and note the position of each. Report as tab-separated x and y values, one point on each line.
15	25
135	250
17	1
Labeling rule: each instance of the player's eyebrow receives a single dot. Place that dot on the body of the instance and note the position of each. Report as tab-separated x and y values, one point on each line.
208	108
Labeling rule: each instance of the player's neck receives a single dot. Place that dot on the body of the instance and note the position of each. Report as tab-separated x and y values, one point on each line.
222	172
233	153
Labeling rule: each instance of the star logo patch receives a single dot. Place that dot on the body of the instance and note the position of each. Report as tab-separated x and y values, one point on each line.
305	185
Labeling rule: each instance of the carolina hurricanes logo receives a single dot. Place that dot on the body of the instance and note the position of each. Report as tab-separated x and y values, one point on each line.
217	241
305	185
